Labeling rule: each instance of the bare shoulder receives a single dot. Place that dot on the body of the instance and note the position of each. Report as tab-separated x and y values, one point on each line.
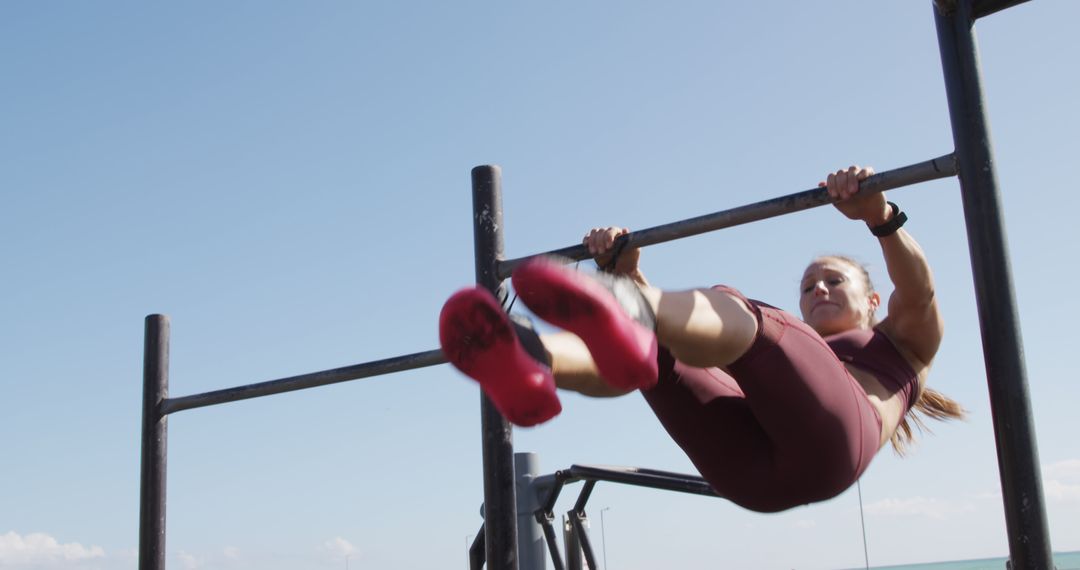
917	347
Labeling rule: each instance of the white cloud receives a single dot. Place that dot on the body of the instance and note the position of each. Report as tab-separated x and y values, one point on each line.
338	547
1058	491
39	548
1061	481
917	506
989	496
189	561
227	557
127	554
805	523
1068	470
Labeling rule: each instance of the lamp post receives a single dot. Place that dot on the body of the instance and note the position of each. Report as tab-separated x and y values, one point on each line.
603	537
347	561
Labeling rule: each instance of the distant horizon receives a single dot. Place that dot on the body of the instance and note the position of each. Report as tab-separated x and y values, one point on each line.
1002	558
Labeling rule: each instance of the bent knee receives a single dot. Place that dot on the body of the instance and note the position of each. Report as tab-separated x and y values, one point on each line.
706	327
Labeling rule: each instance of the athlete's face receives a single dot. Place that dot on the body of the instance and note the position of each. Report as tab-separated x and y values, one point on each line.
834	297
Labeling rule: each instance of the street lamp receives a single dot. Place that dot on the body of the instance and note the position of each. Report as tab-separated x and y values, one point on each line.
603	537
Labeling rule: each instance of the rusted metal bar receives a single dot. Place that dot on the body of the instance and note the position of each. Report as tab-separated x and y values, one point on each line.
292	383
940	167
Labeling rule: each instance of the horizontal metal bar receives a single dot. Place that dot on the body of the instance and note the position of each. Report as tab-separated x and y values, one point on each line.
982	8
640	477
644	478
941	167
321	378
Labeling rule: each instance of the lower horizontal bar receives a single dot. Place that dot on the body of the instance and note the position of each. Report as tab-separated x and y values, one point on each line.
941	167
986	7
322	378
629	476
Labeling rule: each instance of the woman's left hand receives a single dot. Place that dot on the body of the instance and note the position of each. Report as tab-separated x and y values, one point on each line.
843	187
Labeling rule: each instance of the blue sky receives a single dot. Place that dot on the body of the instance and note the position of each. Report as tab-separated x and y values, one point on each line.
289	182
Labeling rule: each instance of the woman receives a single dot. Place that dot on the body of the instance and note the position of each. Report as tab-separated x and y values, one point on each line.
774	411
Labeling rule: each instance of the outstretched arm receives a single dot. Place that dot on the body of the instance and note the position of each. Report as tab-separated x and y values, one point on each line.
914	321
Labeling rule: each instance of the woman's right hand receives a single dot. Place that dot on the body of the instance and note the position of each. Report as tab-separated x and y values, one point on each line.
601	242
843	187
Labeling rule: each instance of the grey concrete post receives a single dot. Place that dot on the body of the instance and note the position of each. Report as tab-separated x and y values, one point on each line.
531	548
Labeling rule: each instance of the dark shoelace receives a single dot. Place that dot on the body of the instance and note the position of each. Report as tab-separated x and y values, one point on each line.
618	249
620	245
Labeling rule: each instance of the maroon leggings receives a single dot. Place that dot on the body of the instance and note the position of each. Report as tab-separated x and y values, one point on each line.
785	425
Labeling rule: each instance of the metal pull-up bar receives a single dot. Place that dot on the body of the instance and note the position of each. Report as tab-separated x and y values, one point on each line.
157	404
591	475
973	163
544	491
500	517
982	8
312	380
940	167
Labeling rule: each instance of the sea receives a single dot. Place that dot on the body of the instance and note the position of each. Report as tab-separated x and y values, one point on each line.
1062	561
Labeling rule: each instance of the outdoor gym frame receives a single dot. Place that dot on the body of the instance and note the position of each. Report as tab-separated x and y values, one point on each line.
972	161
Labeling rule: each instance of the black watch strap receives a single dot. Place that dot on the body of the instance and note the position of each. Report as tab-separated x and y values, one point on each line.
889	228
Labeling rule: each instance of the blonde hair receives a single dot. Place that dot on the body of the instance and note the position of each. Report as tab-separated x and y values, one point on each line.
930	403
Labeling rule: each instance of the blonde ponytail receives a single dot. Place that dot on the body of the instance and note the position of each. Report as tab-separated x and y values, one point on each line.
931	404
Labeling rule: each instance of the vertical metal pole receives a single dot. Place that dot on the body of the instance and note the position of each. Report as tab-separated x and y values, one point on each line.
500	518
579	521
1018	458
530	535
574	556
154	432
476	551
603	535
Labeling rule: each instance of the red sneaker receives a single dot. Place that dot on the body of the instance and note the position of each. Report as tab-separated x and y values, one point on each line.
608	312
478	338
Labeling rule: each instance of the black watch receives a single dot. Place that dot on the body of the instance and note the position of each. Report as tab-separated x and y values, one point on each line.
889	228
